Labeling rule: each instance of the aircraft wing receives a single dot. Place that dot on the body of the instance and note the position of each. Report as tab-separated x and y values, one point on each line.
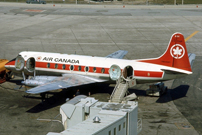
118	54
66	81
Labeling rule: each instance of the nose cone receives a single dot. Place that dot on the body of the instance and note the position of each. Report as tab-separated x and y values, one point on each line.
10	65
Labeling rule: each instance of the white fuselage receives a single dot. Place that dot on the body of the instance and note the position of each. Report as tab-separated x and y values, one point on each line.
58	64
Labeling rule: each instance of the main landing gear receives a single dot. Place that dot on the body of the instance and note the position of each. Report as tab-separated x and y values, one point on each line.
157	89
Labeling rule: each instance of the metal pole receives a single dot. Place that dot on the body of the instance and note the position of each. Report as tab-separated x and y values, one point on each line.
174	2
182	2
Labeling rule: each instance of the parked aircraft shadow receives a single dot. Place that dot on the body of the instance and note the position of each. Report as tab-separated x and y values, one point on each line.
59	98
16	81
174	94
137	92
50	102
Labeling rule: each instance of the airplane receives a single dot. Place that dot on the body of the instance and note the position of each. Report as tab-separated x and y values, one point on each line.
50	71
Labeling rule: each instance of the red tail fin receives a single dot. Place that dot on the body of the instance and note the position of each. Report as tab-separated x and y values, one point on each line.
176	54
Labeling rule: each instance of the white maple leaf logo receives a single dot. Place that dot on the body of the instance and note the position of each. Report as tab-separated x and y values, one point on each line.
177	51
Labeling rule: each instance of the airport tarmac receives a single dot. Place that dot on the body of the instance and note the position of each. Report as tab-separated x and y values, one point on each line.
144	31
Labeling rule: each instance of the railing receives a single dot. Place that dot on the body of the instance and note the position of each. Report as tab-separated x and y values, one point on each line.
139	125
117	84
126	85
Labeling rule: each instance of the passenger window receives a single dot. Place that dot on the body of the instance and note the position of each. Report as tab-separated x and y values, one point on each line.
71	67
79	68
94	69
63	66
119	127
86	69
48	65
114	131
56	65
124	124
109	132
102	70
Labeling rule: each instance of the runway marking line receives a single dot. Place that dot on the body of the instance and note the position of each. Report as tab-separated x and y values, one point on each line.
33	10
190	36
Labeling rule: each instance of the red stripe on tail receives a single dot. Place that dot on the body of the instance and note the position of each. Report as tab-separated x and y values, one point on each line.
175	56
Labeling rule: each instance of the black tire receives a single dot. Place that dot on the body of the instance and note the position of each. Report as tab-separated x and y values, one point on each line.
166	90
10	75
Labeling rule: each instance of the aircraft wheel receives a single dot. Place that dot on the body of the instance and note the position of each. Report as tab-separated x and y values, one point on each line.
166	90
10	75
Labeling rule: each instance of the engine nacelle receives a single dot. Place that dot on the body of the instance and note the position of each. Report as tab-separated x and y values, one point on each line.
19	63
128	73
115	72
29	68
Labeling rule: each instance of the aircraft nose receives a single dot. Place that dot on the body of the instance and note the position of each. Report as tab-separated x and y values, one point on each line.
10	63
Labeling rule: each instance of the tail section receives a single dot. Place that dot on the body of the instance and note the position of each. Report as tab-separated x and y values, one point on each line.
175	56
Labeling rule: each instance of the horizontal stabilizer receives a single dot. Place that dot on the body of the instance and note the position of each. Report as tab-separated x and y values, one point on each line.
192	57
172	72
191	61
